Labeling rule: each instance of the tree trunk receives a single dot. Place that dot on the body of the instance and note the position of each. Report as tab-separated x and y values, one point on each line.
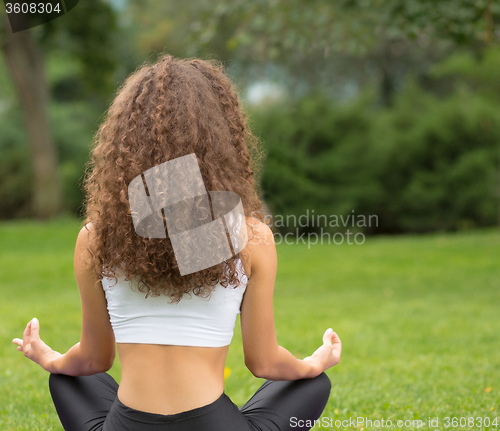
25	62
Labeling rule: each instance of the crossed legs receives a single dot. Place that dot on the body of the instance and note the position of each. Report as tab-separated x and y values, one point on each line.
83	403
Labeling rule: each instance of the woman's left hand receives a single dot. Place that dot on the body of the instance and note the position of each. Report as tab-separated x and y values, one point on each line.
34	348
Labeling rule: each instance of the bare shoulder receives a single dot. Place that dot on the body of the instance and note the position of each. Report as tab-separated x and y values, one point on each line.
260	248
81	250
259	233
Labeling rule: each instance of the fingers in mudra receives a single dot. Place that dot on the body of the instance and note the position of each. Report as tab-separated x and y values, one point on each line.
30	334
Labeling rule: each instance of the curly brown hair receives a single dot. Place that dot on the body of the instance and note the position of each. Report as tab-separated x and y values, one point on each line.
165	110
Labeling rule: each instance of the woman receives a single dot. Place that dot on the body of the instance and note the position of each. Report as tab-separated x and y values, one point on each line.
173	331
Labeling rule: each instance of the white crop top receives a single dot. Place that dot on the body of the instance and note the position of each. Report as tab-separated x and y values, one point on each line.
194	321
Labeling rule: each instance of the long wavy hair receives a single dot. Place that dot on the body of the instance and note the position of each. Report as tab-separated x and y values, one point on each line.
165	110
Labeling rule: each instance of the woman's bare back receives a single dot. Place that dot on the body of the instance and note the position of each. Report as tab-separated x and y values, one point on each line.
167	379
170	379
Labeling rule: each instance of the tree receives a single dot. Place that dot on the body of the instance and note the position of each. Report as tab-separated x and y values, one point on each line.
85	32
297	32
279	28
25	61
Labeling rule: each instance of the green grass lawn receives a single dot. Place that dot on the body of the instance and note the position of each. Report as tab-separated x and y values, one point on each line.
419	318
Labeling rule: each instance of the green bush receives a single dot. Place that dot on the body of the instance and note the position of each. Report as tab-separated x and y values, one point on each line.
15	166
72	126
441	170
425	164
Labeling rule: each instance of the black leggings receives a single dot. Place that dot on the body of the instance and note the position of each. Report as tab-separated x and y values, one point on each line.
90	403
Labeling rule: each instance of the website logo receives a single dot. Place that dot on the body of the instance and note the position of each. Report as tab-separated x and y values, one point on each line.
29	13
171	198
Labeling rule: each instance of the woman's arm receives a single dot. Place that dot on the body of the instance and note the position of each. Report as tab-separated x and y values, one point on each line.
96	350
263	356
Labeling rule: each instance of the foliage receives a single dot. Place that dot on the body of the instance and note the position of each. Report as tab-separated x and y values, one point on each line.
73	125
425	164
332	159
442	166
280	29
15	172
88	35
477	70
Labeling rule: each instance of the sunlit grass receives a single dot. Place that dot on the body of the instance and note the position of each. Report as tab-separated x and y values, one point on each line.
418	317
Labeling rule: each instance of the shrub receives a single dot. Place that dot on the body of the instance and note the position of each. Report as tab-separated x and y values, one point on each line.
424	164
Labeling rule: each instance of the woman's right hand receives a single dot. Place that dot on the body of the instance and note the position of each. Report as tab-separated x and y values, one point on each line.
328	355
